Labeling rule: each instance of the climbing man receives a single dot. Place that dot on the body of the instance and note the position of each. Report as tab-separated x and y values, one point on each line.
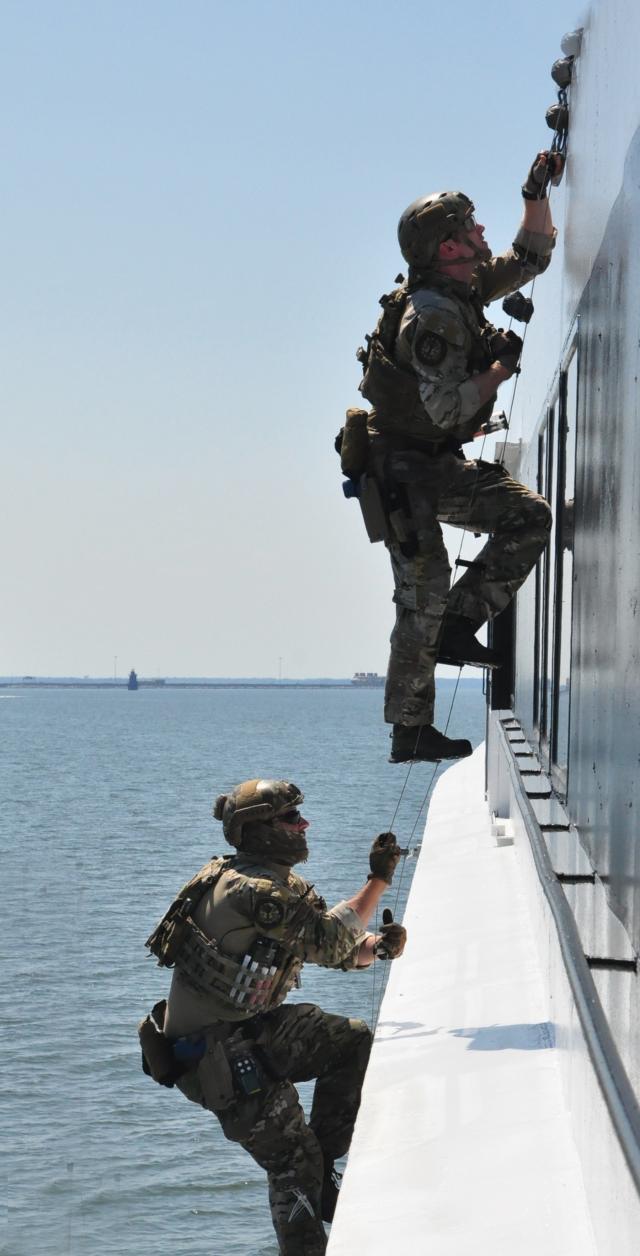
432	369
238	934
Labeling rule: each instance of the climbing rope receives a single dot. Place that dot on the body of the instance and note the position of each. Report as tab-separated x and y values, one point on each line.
557	118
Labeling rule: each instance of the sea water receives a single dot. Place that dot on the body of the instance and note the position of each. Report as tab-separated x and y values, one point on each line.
106	813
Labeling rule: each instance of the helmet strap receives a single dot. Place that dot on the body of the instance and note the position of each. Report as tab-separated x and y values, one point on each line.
479	254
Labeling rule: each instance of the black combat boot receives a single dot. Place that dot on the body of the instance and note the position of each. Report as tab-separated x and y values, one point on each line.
330	1189
458	644
424	742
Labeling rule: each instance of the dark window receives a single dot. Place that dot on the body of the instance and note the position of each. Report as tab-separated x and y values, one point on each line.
564	511
547	453
555	577
539	578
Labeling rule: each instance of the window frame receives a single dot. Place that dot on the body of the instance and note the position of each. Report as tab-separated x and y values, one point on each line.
560	772
546	446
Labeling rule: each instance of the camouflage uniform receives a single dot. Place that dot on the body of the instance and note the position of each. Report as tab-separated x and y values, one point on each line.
442	343
254	899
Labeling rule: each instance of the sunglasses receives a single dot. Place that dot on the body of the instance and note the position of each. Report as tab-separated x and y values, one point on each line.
290	817
469	224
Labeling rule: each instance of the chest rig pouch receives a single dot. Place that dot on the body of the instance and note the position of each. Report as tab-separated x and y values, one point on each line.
387	386
246	984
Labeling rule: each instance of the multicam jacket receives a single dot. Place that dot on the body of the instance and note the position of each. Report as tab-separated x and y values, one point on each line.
252	932
440	344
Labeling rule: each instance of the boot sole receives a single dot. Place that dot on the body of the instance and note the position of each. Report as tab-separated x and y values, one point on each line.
449	758
410	759
447	658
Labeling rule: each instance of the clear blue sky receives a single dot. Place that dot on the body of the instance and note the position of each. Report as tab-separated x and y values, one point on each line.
201	212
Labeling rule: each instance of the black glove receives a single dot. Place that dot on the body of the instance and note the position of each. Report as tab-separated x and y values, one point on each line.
505	347
383	857
394	937
547	168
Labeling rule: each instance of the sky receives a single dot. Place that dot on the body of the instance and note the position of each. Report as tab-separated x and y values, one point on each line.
201	210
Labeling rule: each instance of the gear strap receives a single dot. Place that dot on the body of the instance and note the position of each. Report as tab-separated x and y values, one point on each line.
166	940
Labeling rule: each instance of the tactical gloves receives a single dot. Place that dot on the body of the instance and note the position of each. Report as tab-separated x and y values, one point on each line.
383	857
505	348
392	942
547	168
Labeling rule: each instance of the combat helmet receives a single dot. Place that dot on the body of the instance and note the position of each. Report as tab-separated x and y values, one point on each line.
256	801
430	220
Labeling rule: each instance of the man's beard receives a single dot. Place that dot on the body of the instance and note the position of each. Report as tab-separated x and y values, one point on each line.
486	253
275	843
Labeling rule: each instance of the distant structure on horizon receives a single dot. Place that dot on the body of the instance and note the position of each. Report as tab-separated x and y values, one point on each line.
367	679
132	682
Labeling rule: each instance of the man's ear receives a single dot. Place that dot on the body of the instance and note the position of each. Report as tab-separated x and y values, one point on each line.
447	249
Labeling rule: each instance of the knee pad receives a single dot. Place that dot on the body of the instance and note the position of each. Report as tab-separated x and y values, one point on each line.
363	1035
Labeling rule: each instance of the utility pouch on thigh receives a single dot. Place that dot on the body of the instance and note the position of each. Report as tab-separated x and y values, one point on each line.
215	1077
158	1060
408	475
402	528
246	1071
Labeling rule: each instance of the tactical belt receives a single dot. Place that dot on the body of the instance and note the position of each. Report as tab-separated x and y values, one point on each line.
434	448
228	1067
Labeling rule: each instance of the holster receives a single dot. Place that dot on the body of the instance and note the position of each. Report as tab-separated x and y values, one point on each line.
374	513
158	1060
384	510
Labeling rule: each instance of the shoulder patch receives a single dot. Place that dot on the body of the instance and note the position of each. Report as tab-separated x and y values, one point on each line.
441	315
430	349
269	912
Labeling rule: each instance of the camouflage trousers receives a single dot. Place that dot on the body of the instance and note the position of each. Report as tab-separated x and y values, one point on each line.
298	1042
479	496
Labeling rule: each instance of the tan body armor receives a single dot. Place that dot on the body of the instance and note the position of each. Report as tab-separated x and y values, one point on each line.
238	934
434	303
391	385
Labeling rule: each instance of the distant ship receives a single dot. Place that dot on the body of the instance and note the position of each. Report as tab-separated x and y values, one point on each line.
368	679
132	682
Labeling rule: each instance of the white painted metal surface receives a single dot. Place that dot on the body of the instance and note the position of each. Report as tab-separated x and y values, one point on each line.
614	1204
463	1143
